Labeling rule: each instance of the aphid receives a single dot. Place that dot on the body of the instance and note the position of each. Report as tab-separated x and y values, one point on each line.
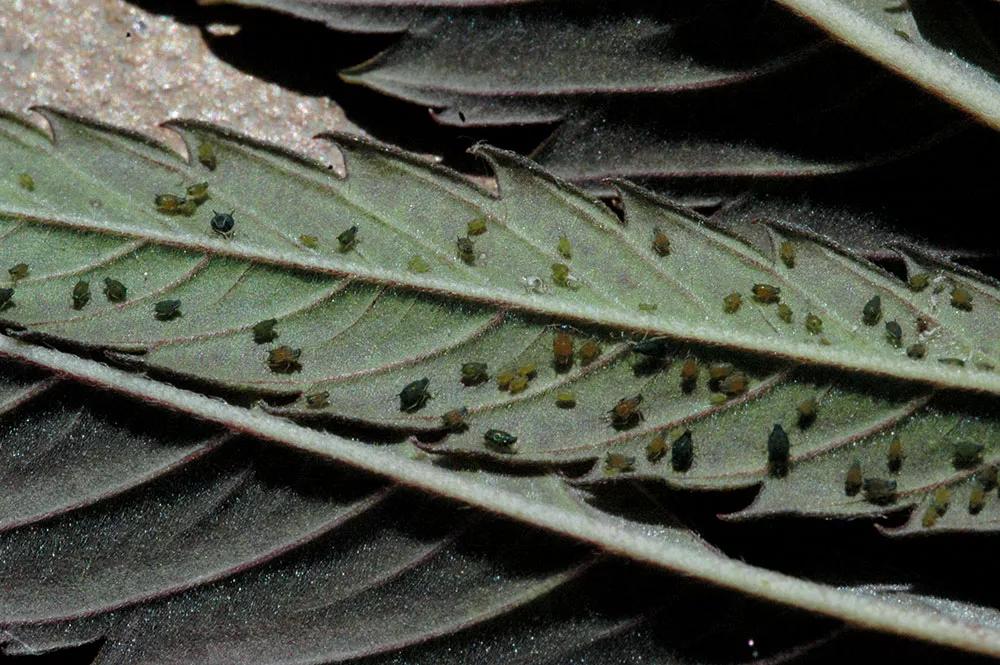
916	350
114	290
654	347
414	395
206	155
474	373
81	294
19	271
879	490
476	227
561	276
26	182
814	324
731	303
264	332
198	192
565	399
902	34
312	242
565	248
807	412
187	208
626	412
784	312
618	463
987	477
647	307
872	311
919	281
661	243
787	253
682	452
418	264
853	479
689	374
734	384
500	440
168	203
589	352
955	362
766	293
894	333
165	310
6	296
930	517
961	298
778	448
562	350
347	239
518	384
656	448
223	223
284	360
466	250
967	454
923	324
977	497
454	420
504	378
318	400
528	370
942	497
895	455
717	399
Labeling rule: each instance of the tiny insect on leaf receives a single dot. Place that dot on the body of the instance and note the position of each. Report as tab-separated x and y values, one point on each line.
682	452
500	440
919	281
731	303
198	192
562	350
26	182
454	420
318	400
589	352
967	454
6	298
476	227
656	448
853	479
284	360
518	384
474	373
895	455
223	223
561	276
168	203
565	248
114	290
206	155
264	332
417	264
619	463
977	497
312	242
167	310
505	377
961	298
347	239
414	395
871	314
807	410
917	350
735	384
778	448
787	254
765	293
19	271
466	249
626	413
784	312
879	491
814	324
81	294
661	243
565	399
656	347
894	333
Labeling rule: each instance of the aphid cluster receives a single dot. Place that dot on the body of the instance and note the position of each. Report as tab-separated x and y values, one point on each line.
516	380
187	204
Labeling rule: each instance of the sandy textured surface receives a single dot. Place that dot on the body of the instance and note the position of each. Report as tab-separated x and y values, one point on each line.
112	61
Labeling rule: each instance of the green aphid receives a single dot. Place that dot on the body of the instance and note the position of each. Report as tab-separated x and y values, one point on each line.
941	500
81	294
167	310
961	299
894	333
766	293
476	227
731	303
879	491
682	452
871	314
500	440
264	332
814	324
466	250
198	192
311	242
418	265
206	155
967	454
561	276
348	239
114	290
414	395
647	307
284	360
717	399
785	313
318	400
618	463
474	373
565	248
656	448
919	281
719	371
19	271
168	203
26	182
807	410
565	399
6	298
853	479
917	350
787	253
778	448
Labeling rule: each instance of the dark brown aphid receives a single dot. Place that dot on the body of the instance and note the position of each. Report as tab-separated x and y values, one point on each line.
766	293
778	448
476	227
656	448
967	454
589	352
6	298
879	490
26	182
987	477
318	400
466	250
814	324
166	310
206	155
661	243
731	303
977	497
618	463
19	271
474	373
565	399
787	254
735	384
168	203
81	294
917	350
284	360
919	282
896	455
871	314
414	395
807	412
853	479
689	374
347	239
198	192
264	332
784	312
562	350
961	298
500	440
626	412
894	333
114	290
454	420
682	452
